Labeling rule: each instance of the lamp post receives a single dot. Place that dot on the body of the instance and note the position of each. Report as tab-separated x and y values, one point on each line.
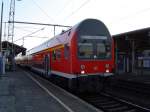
2	59
1	29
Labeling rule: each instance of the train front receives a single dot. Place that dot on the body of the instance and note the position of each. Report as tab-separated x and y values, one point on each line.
94	56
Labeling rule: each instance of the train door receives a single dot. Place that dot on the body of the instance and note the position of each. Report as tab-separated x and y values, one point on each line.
47	65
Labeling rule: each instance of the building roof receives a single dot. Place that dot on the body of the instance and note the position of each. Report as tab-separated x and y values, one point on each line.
134	32
17	49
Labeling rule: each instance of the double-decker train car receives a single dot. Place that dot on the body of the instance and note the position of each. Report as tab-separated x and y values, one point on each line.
79	58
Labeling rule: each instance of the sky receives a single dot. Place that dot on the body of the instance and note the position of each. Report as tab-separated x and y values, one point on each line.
118	15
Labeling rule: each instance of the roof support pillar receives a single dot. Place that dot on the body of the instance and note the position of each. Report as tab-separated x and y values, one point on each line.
133	54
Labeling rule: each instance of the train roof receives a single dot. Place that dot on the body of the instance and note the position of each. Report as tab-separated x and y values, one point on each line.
49	43
66	36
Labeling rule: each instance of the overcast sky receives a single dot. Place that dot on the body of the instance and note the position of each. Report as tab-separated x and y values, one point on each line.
118	15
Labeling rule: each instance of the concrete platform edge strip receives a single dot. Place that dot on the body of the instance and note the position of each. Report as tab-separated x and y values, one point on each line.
75	97
47	91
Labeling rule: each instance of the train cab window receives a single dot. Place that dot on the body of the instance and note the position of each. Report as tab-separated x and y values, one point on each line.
103	50
85	50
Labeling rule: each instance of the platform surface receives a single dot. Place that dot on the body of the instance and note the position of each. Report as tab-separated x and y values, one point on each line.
19	93
140	76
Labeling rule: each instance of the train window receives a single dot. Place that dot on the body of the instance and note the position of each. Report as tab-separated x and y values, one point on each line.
54	55
85	50
66	51
103	51
58	54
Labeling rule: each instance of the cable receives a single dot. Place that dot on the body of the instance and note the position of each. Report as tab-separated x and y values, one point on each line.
26	27
64	7
73	12
131	15
19	28
38	36
43	11
29	34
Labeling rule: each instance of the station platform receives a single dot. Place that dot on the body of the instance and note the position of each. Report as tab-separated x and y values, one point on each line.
139	77
21	92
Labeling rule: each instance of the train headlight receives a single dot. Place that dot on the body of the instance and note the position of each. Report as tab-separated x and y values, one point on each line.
82	72
107	71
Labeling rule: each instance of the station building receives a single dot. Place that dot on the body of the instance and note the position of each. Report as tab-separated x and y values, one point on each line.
132	51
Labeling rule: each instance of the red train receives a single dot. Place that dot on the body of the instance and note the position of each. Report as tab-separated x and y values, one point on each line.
78	58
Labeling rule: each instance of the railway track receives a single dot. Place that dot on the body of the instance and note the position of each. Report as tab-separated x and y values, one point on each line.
133	86
109	103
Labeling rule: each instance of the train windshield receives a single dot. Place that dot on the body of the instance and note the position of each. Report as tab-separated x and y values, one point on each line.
85	50
94	47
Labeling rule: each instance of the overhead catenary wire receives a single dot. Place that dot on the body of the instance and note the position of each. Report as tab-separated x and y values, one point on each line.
38	36
64	7
29	34
27	27
131	15
79	8
42	10
44	24
22	29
